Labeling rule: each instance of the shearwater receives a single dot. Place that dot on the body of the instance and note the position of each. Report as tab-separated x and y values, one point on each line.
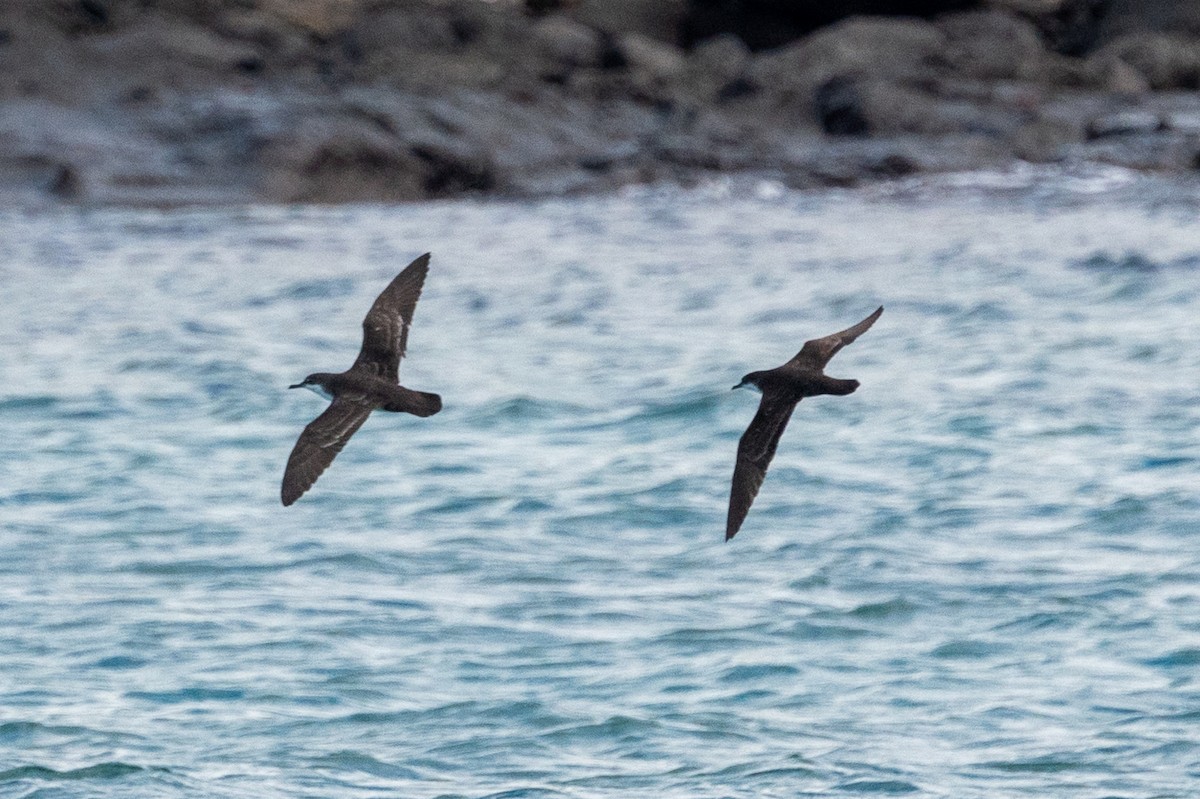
782	388
371	383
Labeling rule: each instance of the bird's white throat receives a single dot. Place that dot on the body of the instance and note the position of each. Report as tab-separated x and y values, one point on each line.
319	390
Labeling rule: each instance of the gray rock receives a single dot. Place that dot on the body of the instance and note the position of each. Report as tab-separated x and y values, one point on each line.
181	101
331	159
1164	60
567	42
993	45
718	67
895	50
1125	123
1044	140
654	69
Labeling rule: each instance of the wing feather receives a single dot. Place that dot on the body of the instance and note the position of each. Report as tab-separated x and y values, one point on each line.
817	353
319	444
755	451
385	327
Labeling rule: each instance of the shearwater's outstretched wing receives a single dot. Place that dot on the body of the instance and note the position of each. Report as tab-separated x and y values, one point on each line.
319	444
755	451
385	328
815	354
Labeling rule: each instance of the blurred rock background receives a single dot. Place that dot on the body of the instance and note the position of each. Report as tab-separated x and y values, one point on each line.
209	101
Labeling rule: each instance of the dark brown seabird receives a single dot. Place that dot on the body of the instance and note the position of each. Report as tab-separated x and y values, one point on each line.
371	383
783	387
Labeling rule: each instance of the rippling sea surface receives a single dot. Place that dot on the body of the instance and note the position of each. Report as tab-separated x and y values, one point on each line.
979	576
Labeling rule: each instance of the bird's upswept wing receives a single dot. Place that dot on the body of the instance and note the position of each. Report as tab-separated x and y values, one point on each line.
320	443
385	328
815	354
755	451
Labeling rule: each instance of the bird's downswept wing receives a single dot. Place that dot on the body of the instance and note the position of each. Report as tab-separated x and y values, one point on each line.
319	444
385	327
816	354
755	451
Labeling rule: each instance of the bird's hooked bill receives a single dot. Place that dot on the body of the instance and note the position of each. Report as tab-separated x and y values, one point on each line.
298	385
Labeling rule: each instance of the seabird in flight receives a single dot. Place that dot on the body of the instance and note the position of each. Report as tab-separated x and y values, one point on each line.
371	383
783	387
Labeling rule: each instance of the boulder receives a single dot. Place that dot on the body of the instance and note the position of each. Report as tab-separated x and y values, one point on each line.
767	24
894	50
1163	60
332	159
992	45
567	42
654	68
717	69
321	17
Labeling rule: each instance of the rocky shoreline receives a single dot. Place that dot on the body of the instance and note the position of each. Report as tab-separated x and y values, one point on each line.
173	102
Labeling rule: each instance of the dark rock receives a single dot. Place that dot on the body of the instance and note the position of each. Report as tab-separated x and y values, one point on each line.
659	19
95	11
839	107
737	88
250	65
449	173
766	24
540	8
893	165
1070	27
1078	27
611	54
66	183
1122	17
169	101
332	160
82	16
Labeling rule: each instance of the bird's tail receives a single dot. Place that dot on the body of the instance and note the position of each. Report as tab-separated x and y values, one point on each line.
418	403
840	388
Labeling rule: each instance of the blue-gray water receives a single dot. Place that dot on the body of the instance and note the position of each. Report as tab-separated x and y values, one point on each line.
979	576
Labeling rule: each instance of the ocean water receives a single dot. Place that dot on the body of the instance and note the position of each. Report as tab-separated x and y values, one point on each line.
979	576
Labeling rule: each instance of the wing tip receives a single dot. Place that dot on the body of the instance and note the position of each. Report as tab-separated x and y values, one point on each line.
734	520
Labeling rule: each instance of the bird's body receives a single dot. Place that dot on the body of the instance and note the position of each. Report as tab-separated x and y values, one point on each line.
782	388
370	384
375	391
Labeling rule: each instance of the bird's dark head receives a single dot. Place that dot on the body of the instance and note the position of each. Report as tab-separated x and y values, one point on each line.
316	384
750	381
